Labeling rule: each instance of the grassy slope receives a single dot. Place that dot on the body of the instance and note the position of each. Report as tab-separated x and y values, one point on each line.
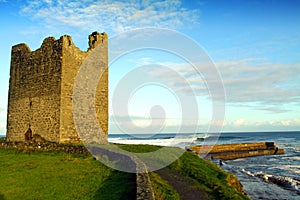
209	176
44	175
205	174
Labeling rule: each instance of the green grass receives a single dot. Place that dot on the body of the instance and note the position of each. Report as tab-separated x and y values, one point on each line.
58	175
50	175
160	157
205	174
139	148
209	176
162	189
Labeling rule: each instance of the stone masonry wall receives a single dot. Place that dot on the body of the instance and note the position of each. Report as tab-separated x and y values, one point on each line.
72	60
34	93
101	98
41	88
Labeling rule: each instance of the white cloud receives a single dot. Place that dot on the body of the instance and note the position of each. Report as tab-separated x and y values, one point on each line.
173	125
268	125
240	122
288	122
108	15
181	77
251	82
266	86
134	124
256	81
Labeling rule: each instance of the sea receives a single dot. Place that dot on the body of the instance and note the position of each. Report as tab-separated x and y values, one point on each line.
263	177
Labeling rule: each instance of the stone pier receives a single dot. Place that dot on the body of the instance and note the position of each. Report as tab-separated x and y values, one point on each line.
234	151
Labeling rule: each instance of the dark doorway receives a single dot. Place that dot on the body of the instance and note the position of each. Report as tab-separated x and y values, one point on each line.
28	135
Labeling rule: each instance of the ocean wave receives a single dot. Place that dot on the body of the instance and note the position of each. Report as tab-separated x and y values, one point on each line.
291	148
292	168
248	173
282	181
179	138
217	137
289	157
238	160
165	140
177	141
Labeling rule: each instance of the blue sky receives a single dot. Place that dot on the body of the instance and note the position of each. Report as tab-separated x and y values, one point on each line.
254	44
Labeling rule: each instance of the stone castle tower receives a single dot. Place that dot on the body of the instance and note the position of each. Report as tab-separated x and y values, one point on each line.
41	87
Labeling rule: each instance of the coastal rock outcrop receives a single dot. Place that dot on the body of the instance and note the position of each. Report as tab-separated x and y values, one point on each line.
234	182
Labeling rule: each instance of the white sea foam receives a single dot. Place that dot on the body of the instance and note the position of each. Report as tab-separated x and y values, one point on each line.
239	160
292	168
292	148
248	173
282	181
177	141
291	158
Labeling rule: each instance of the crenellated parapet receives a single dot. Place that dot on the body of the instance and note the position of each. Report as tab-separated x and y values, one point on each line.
96	39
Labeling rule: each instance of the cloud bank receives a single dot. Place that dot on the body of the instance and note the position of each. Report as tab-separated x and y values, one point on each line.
267	83
252	83
291	124
115	16
172	125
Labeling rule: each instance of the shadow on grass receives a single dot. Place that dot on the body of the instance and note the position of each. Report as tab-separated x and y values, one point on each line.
119	186
2	197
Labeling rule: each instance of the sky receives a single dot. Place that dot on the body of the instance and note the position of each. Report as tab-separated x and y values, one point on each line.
255	46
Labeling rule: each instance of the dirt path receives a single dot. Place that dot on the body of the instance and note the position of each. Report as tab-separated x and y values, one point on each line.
185	187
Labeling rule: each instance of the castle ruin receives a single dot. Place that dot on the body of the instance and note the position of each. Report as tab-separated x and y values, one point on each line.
41	87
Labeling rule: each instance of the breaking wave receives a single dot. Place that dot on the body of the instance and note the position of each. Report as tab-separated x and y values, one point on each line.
282	181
